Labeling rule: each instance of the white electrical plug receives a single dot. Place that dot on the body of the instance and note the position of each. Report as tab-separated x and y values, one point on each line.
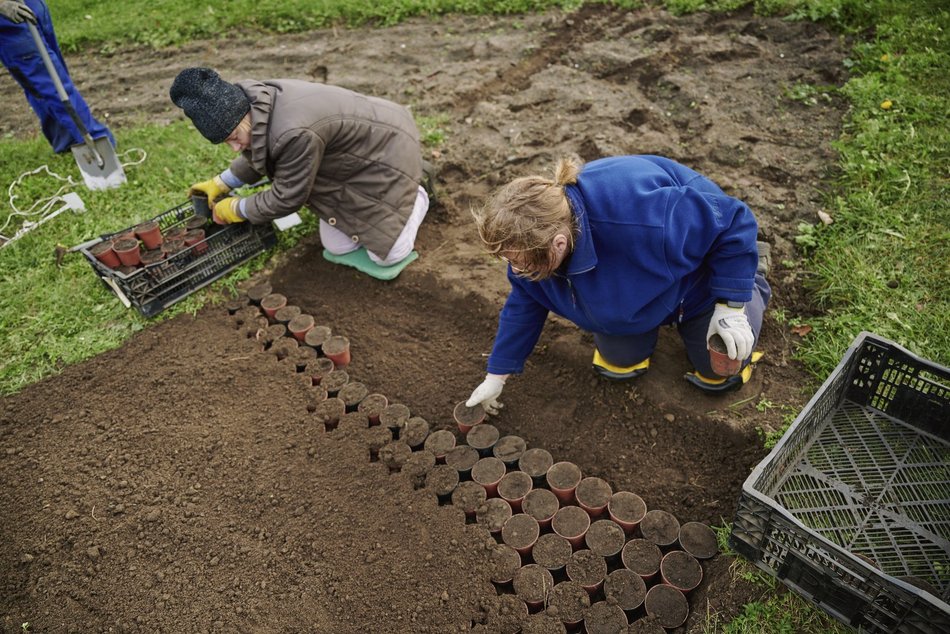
74	202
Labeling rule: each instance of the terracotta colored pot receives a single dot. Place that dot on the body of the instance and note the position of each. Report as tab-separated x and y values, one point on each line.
467	417
337	348
317	336
642	557
587	569
271	303
258	292
552	551
660	527
196	222
605	538
698	540
571	523
286	314
521	532
372	406
488	472
171	246
504	563
415	432
319	368
536	462
440	443
509	450
719	358
462	458
570	602
299	326
151	257
540	504
106	254
483	437
129	251
593	494
196	239
604	617
492	516
562	479
532	583
150	234
627	509
625	589
513	487
174	233
468	496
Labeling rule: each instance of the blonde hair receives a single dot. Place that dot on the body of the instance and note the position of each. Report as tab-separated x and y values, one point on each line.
525	215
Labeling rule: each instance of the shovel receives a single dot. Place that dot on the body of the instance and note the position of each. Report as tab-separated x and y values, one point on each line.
96	158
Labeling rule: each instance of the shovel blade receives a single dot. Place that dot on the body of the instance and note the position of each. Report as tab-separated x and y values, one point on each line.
106	175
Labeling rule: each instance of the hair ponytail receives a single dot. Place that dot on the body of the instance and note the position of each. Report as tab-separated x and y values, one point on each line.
566	171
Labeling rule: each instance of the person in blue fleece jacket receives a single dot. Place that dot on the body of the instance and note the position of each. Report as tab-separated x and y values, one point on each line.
621	247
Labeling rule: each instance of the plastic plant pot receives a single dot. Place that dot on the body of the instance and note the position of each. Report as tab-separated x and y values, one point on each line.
541	504
335	381
681	570
521	532
199	222
698	540
571	523
376	439
605	538
200	204
128	251
719	359
536	462
440	443
509	450
509	616
150	234
337	348
667	605
350	421
587	569
286	314
317	336
151	257
552	551
627	509
328	413
283	347
562	479
258	292
593	494
482	437
492	515
488	472
319	368
271	303
352	393
299	326
467	417
394	416
106	254
462	458
415	432
660	527
642	557
235	303
532	583
174	233
372	406
605	618
394	455
625	589
173	246
195	239
468	496
442	480
301	357
570	602
125	271
513	487
504	562
418	466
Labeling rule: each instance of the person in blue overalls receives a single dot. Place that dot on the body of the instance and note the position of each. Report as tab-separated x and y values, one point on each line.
19	55
621	247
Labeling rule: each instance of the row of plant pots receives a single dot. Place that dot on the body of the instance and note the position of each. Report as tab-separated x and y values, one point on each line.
147	244
600	553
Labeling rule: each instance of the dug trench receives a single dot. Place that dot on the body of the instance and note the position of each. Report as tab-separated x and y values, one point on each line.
179	483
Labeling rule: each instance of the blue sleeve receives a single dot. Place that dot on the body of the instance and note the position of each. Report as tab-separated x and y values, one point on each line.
519	327
718	231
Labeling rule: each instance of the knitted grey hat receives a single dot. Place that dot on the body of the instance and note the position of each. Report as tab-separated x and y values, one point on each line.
215	106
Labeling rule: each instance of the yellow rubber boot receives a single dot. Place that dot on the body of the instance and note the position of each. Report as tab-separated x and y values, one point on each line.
618	373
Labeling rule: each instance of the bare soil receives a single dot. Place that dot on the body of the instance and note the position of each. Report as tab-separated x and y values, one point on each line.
180	483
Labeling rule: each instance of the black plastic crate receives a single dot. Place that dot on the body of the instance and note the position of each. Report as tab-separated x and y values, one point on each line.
154	287
851	509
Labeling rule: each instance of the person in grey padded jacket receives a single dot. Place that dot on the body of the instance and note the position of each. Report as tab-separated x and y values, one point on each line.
353	160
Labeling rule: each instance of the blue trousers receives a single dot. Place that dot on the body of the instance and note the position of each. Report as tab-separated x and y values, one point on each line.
629	350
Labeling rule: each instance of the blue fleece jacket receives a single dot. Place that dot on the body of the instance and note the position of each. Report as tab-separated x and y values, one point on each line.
657	243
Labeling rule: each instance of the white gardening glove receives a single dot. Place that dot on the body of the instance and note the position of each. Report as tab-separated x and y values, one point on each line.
488	392
733	326
16	12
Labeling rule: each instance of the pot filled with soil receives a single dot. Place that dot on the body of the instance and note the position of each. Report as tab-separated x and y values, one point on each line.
256	293
128	251
509	450
587	569
440	443
562	479
552	551
415	432
468	496
236	303
467	417
350	422
299	326
504	562
521	532
394	416
318	369
394	455
488	472
532	583
372	405
719	357
605	618
642	557
352	393
606	538
462	458
197	222
317	336
196	239
625	589
271	303
418	466
301	357
283	347
536	462
442	480
660	527
151	257
337	348
698	540
335	381
667	605
571	523
593	494
627	509
106	254
376	439
571	602
681	570
173	246
513	487
200	204
150	234
541	504
328	413
492	516
482	437
176	232
286	314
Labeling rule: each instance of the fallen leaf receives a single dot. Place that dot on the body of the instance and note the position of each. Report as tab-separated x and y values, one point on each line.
801	330
825	217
